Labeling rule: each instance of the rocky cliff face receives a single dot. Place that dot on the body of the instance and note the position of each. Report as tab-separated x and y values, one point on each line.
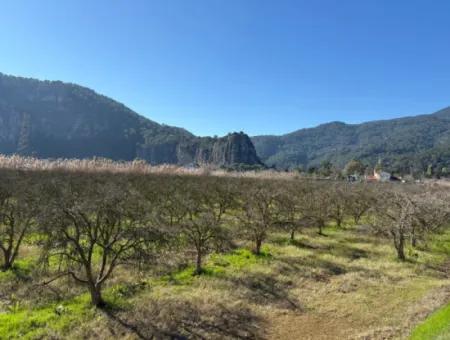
54	119
235	148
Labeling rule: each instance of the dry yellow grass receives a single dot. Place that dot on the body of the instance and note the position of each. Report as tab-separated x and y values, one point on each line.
344	286
17	162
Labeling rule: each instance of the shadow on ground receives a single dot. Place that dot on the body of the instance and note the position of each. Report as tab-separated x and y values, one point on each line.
176	319
264	289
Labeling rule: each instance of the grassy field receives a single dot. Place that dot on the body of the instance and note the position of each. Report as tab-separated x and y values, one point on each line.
346	285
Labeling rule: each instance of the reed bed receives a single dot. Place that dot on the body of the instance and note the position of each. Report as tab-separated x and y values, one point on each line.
18	162
138	166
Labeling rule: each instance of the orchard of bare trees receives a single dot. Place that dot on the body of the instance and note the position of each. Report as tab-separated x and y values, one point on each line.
87	226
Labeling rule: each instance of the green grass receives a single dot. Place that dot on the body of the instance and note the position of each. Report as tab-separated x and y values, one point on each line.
32	324
240	258
187	276
218	265
435	327
302	270
59	317
21	270
440	245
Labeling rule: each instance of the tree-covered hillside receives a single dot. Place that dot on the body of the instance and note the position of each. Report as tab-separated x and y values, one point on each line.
403	145
50	119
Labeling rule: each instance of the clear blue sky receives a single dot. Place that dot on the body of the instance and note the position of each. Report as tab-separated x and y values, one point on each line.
264	67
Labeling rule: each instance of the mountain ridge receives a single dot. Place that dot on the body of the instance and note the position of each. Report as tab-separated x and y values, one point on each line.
54	119
51	119
415	138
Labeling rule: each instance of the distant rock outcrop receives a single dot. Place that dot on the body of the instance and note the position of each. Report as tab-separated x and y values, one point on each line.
235	148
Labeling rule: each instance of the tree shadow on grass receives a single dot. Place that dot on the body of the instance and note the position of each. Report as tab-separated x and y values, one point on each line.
342	249
349	252
308	245
263	289
439	270
299	242
310	267
177	319
319	269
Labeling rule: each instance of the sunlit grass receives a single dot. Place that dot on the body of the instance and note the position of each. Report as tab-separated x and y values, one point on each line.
37	323
21	270
58	317
435	327
218	265
345	275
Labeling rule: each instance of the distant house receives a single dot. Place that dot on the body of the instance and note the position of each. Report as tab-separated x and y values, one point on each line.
381	176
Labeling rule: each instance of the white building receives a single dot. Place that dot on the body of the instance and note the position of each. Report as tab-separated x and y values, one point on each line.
382	176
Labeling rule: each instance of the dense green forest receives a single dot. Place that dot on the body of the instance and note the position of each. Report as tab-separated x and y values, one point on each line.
411	145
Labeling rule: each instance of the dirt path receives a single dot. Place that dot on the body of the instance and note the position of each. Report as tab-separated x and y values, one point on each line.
310	326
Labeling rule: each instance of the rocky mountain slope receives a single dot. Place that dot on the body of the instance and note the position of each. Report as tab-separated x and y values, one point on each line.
51	119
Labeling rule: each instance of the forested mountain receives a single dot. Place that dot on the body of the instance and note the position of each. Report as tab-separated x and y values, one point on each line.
403	145
50	119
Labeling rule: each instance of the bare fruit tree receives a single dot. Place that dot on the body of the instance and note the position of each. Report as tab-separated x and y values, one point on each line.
359	201
394	216
291	205
431	213
317	205
259	213
338	195
18	209
205	204
93	226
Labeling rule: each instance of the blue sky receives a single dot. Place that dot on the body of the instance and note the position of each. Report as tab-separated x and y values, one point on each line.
264	67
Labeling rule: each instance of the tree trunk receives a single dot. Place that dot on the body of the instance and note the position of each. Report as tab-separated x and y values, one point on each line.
414	241
6	266
8	261
414	238
320	229
400	246
292	235
96	295
198	264
258	247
